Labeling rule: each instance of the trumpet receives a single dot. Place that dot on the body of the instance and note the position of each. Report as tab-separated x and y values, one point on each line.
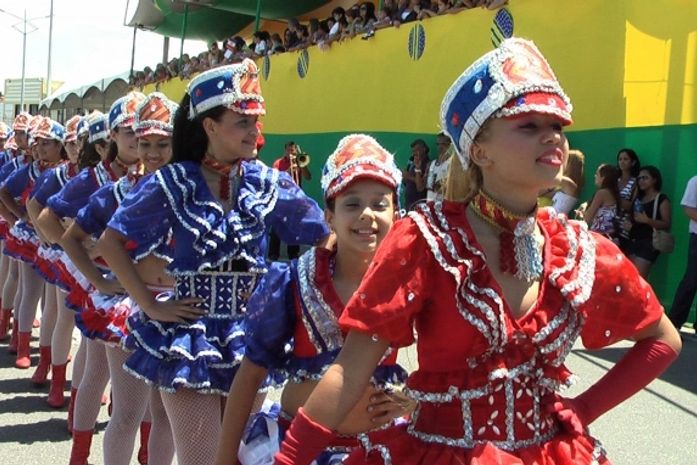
298	161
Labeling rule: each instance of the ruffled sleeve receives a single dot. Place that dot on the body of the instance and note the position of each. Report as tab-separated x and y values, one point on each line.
7	169
144	216
621	302
270	318
94	216
296	218
394	289
17	182
74	195
45	186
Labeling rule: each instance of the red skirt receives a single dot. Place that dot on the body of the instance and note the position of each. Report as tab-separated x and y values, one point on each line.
397	445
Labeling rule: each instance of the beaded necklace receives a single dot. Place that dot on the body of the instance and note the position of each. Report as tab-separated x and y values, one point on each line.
519	251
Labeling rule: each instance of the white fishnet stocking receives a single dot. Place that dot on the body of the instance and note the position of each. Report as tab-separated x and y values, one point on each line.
91	388
10	288
195	421
130	402
63	331
32	288
79	362
49	314
160	445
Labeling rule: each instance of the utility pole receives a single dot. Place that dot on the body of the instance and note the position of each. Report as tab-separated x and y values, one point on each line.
49	91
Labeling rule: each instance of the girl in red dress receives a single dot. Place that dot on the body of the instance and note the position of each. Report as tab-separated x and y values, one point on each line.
497	292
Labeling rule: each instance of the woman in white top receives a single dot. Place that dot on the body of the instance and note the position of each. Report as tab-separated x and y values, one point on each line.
437	171
571	185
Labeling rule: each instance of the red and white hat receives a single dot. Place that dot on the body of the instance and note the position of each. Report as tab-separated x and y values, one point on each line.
4	130
358	157
155	115
10	143
49	129
123	110
21	122
71	128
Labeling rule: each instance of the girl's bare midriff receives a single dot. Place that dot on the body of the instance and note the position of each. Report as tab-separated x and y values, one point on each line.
152	271
357	421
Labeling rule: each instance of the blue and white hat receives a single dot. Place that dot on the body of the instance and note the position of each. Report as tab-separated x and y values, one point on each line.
123	110
49	129
98	126
511	80
83	127
234	86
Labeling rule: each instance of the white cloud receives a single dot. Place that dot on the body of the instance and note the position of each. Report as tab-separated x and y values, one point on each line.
89	41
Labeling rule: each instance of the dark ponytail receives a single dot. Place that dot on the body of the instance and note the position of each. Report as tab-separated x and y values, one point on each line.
189	140
89	157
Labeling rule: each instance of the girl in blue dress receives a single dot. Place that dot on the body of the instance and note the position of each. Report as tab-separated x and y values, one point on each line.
103	315
214	203
49	136
121	160
296	306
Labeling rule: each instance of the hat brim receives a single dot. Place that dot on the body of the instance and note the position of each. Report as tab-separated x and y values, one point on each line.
537	102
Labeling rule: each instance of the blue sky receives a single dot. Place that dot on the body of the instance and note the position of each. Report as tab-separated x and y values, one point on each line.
89	41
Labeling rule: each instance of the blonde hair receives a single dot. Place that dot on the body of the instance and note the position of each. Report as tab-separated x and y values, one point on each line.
463	183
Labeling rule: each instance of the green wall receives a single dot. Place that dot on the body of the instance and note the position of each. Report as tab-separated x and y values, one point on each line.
673	149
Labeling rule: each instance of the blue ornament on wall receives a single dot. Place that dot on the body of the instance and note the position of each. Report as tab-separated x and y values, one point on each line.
417	42
303	63
502	27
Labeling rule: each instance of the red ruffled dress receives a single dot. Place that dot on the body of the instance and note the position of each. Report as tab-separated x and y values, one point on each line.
484	377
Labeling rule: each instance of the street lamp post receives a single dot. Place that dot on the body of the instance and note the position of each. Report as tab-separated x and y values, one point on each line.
24	22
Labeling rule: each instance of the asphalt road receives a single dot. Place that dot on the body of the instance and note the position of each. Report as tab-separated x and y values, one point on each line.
657	426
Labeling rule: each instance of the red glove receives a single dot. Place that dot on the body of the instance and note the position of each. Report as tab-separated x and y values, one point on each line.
642	364
304	441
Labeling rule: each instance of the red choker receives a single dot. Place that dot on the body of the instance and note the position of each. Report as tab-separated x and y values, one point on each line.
519	252
225	174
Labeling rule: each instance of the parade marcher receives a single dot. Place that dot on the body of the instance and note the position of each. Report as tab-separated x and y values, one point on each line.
61	208
48	184
218	207
10	291
494	316
23	242
360	182
5	133
106	312
6	278
81	253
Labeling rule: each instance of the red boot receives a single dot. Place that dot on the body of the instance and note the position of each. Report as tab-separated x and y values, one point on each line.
5	317
23	350
80	452
56	399
144	436
14	340
41	373
71	409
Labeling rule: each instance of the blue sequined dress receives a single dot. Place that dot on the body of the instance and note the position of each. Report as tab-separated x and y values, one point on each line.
214	255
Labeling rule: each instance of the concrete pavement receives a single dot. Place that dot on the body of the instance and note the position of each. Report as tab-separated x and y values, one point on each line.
657	426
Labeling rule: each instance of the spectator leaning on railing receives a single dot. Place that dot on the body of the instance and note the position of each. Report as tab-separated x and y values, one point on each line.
361	19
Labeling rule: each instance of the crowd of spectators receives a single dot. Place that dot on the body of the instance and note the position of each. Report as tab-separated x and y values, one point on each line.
361	20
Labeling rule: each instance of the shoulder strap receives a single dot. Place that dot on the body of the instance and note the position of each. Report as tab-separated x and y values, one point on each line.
655	205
